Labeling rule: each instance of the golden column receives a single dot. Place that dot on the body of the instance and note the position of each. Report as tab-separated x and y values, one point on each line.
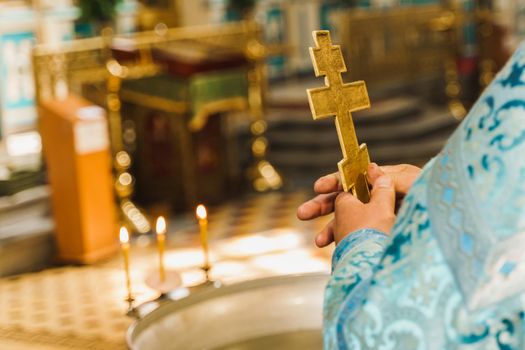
262	174
121	158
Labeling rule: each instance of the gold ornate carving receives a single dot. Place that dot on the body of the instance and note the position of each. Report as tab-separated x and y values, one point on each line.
198	121
406	44
71	65
154	102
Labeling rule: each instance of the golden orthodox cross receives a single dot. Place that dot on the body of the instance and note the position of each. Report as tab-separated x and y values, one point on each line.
339	99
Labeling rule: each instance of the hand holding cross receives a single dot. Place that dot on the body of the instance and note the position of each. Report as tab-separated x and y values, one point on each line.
339	99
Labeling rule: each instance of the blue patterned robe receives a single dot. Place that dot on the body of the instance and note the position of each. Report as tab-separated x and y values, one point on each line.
452	274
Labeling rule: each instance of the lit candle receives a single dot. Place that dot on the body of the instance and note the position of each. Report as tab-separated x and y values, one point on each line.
124	243
160	228
203	225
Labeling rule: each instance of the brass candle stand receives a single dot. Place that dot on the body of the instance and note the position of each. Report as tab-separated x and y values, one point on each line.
162	279
202	217
125	248
170	289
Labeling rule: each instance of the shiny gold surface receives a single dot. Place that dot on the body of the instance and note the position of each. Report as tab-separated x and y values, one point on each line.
124	183
199	119
262	174
154	102
339	99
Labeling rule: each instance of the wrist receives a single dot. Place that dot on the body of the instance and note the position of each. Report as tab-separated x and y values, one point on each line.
384	226
356	238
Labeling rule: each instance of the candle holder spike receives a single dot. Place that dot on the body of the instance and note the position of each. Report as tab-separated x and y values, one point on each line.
132	311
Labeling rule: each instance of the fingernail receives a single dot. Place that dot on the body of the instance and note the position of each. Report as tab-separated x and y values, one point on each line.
384	182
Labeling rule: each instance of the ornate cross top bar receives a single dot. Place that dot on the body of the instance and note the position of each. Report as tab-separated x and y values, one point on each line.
339	99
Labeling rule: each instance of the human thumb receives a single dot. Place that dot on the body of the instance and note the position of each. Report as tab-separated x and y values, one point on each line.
383	194
374	172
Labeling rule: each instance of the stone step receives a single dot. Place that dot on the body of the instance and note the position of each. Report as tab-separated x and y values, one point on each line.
26	231
400	128
420	126
383	154
384	111
22	205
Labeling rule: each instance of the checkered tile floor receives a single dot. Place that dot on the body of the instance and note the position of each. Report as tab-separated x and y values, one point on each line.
83	308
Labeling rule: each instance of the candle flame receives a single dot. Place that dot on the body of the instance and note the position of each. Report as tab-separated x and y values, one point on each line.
201	212
161	225
124	235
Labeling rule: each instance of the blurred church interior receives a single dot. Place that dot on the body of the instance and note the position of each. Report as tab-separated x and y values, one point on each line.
118	118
